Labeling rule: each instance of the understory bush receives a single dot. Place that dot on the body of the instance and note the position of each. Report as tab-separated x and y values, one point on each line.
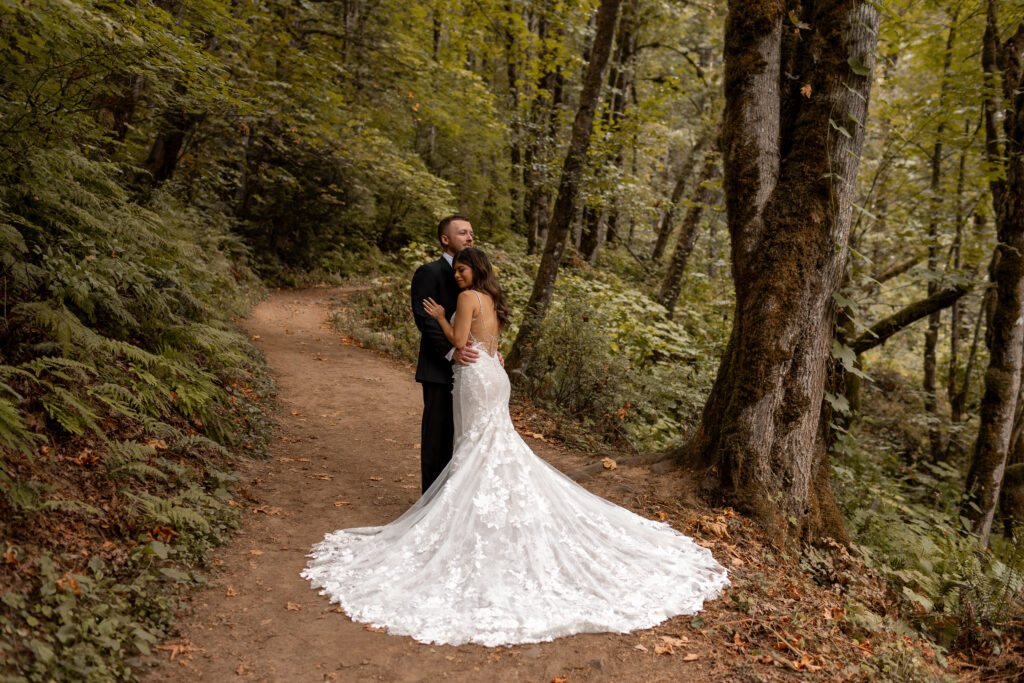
906	522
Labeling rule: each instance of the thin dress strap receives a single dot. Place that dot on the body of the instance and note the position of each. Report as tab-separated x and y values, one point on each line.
490	341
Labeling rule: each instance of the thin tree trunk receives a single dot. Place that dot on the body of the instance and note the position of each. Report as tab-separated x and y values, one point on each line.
538	195
565	203
515	145
931	337
1005	334
666	220
702	196
620	87
953	444
166	148
789	181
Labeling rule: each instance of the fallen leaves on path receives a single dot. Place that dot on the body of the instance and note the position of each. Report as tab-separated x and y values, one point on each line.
231	592
341	503
267	509
322	475
292	606
609	464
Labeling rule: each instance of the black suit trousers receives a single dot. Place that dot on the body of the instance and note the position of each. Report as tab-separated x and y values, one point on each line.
436	430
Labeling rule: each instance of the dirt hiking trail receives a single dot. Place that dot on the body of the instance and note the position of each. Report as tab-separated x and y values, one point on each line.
346	454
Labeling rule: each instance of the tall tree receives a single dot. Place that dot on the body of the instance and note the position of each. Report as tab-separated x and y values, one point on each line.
568	188
1005	333
790	153
931	336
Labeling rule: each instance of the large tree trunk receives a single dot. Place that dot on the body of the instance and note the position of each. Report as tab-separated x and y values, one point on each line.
789	178
568	188
703	196
1005	334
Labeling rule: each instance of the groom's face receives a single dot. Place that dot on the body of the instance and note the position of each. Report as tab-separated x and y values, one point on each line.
457	237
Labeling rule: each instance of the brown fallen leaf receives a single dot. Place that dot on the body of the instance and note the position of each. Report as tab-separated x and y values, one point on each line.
662	649
158	444
255	552
86	457
692	657
296	412
640	647
243	669
559	679
376	479
806	662
341	503
662	515
293	606
375	629
717	529
176	649
267	510
231	592
322	475
609	464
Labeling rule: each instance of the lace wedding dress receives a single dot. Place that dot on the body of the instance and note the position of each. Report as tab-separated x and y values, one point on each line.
505	549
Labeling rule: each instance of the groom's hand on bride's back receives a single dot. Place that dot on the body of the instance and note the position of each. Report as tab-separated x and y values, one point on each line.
467	355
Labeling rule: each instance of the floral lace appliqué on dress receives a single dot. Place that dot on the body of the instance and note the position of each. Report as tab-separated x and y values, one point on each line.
505	549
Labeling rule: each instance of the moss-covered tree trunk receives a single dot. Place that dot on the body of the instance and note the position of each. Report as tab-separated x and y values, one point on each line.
790	151
568	189
1005	334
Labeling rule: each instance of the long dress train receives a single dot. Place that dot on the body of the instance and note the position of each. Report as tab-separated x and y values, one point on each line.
505	549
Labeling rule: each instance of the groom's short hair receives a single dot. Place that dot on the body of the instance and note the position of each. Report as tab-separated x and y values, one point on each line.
446	221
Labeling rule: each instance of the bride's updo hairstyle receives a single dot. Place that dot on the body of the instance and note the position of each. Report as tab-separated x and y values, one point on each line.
485	280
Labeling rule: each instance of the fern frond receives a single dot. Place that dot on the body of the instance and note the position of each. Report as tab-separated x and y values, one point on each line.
64	325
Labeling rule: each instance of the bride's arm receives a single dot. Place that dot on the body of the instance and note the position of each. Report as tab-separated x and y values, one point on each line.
464	309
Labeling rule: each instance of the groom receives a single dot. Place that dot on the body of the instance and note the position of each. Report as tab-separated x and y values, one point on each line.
436	280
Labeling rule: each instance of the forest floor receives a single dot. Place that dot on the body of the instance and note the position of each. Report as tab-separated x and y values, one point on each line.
345	454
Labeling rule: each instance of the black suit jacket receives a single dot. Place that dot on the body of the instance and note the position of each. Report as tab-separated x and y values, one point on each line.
437	281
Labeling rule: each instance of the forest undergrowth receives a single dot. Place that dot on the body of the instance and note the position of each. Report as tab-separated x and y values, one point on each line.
126	393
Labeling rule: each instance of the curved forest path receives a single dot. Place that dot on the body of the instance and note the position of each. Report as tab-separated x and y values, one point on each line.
346	454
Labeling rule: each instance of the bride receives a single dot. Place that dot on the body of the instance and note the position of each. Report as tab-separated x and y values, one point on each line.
503	548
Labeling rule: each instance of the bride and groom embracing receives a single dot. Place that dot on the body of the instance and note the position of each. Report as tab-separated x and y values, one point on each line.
501	548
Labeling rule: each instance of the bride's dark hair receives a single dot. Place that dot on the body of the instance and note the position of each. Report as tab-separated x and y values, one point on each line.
485	280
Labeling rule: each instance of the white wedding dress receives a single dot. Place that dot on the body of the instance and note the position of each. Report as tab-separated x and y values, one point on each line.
505	549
